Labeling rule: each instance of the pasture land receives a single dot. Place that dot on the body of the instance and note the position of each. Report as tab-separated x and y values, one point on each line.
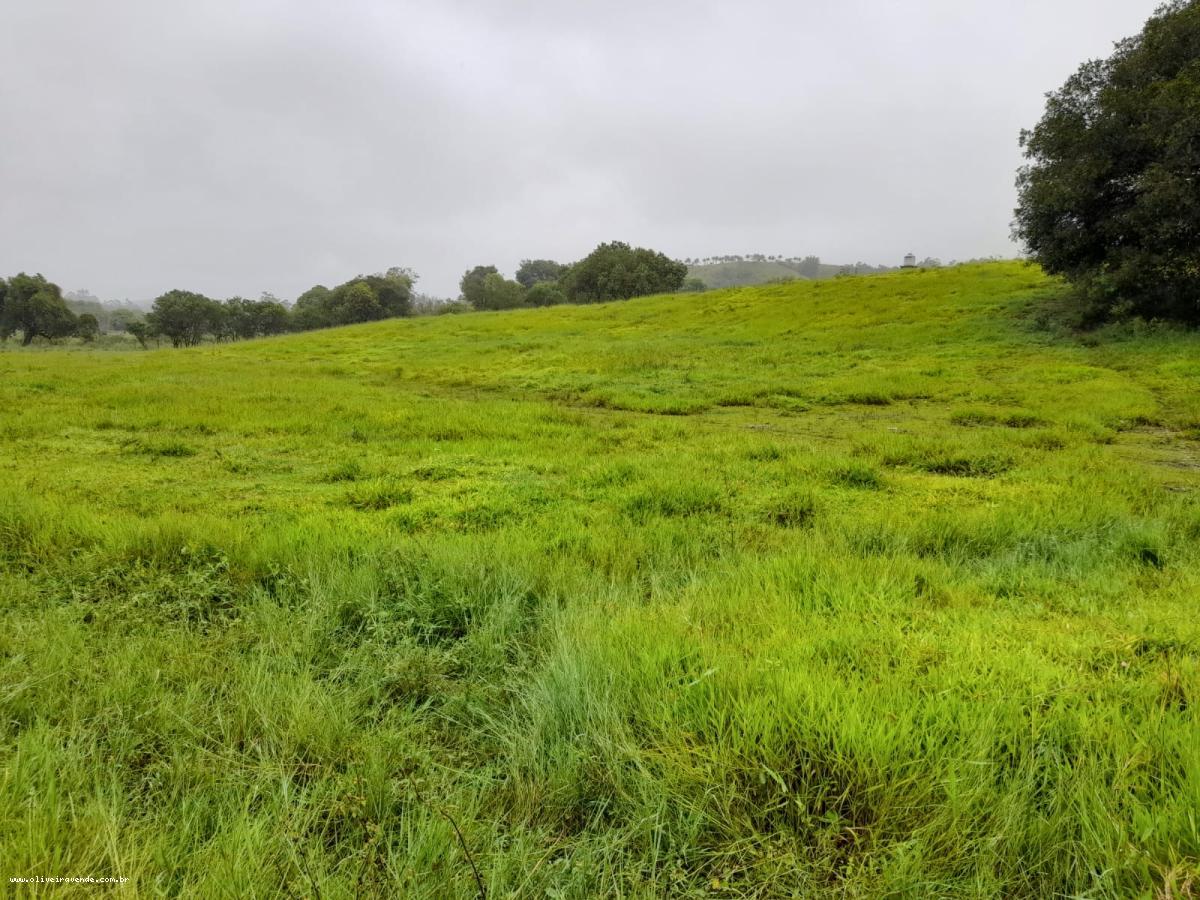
862	587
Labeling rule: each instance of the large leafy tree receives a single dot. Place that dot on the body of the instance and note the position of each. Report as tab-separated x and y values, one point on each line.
392	290
236	323
545	293
35	307
617	271
364	298
311	309
87	327
471	285
537	271
185	318
269	316
1110	198
354	301
254	318
497	292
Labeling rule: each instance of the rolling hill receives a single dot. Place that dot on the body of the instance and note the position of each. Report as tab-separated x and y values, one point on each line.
874	586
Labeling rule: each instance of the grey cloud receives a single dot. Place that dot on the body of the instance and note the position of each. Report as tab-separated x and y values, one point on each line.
236	146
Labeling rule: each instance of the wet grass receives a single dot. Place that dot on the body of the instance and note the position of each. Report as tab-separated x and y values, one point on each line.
864	588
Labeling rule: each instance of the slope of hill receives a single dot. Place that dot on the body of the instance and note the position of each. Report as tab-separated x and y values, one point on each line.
863	586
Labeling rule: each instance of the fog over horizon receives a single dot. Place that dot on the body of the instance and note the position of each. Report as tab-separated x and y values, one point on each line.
233	148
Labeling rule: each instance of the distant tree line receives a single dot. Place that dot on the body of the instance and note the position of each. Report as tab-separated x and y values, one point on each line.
613	271
36	308
186	318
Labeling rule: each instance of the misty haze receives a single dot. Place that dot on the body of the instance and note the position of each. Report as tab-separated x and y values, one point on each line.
236	148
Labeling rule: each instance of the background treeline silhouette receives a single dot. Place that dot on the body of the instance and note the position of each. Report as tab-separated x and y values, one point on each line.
35	308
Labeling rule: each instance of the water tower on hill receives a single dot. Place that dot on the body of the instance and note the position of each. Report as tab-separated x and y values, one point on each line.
910	261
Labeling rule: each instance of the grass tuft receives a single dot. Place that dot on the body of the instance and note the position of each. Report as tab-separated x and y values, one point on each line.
380	493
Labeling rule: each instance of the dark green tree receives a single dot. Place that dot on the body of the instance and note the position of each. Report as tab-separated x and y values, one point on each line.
471	285
617	271
545	293
1110	198
537	271
35	307
354	302
253	318
694	285
364	298
87	327
237	323
269	317
312	309
185	318
141	331
497	292
392	290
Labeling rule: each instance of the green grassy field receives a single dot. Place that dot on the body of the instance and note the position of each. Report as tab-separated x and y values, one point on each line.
864	587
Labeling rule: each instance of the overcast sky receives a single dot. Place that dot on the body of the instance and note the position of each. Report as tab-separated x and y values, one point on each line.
240	146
